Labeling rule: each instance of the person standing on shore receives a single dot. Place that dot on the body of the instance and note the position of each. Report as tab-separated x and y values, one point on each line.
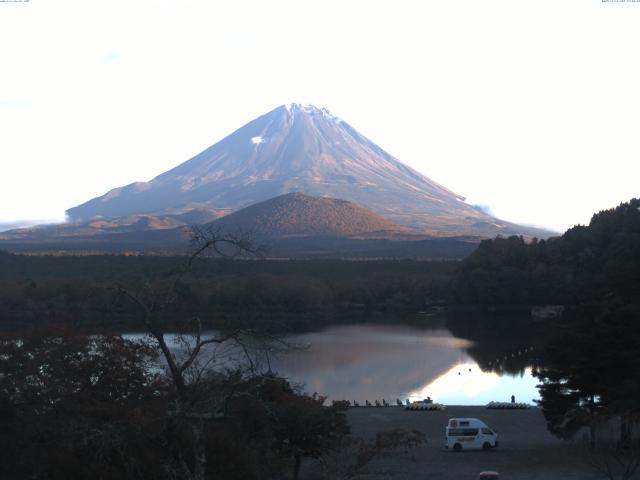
513	399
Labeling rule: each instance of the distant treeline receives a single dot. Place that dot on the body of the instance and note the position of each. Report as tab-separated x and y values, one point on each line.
586	264
174	242
84	291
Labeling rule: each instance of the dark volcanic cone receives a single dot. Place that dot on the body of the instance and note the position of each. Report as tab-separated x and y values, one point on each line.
296	214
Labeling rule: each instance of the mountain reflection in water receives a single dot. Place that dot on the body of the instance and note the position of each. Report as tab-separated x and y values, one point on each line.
369	362
384	361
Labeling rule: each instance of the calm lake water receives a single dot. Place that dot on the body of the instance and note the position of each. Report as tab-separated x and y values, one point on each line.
375	361
369	362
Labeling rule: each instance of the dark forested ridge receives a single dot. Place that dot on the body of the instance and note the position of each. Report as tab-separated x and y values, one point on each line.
171	242
587	263
290	294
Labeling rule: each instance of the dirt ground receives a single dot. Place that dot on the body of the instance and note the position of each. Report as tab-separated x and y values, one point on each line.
526	450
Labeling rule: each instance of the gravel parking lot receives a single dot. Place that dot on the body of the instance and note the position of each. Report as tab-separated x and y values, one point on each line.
526	450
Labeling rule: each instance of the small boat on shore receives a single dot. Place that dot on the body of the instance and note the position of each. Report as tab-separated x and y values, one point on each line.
508	406
422	405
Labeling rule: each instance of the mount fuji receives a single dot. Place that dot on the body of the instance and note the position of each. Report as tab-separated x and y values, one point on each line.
297	148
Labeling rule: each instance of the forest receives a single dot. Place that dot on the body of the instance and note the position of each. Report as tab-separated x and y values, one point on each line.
278	294
587	263
588	359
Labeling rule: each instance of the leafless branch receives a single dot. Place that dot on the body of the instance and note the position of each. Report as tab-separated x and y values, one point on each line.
201	343
224	244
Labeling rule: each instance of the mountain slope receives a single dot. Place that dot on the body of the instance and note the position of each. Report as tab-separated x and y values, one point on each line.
293	225
296	214
115	225
304	149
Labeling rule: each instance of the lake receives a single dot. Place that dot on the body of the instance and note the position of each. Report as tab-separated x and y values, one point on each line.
368	362
375	361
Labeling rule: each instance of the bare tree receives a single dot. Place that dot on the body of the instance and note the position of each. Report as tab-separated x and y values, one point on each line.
196	354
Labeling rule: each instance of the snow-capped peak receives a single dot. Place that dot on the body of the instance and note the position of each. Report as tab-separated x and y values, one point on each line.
311	110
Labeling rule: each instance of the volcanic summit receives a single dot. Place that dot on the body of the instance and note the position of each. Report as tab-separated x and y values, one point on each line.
296	148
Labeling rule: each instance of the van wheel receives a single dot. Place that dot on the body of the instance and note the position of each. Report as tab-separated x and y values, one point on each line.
486	446
457	447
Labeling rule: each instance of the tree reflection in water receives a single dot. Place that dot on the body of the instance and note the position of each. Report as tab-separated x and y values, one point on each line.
504	343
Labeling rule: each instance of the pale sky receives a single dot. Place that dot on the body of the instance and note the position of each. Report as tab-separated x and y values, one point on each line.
529	107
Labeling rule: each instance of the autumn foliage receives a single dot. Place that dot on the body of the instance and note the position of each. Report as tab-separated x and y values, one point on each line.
79	406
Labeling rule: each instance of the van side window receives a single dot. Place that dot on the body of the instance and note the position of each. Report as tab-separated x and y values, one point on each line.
487	431
463	432
464	423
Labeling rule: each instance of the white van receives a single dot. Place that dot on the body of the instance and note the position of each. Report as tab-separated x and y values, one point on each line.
469	433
